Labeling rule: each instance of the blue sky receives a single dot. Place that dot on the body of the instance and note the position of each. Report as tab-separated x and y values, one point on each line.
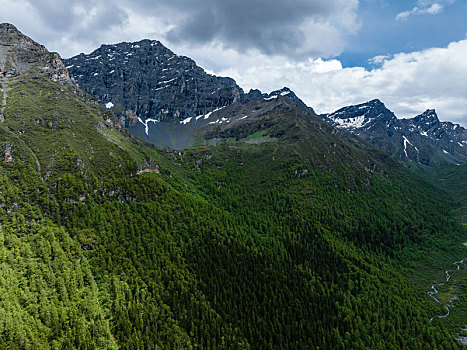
324	50
381	34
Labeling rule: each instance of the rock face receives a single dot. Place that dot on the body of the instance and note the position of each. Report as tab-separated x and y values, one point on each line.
7	153
237	120
256	95
20	54
146	81
162	98
422	139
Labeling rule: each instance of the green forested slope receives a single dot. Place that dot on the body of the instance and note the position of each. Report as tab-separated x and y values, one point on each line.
235	246
430	268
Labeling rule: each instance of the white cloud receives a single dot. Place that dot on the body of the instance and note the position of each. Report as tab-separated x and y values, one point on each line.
408	83
377	60
434	9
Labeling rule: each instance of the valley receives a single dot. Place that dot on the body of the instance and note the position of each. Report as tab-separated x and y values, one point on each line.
227	221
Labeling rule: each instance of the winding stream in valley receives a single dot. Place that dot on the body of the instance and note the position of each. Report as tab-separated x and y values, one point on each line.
462	264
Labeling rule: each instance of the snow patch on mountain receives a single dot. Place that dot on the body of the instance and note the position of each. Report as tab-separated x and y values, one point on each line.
186	121
146	122
352	123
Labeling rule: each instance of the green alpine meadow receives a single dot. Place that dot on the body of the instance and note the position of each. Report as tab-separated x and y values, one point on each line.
269	229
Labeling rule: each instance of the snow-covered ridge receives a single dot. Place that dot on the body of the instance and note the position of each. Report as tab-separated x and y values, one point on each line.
351	123
425	133
406	141
205	116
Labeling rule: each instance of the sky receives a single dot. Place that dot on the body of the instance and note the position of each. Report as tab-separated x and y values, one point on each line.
410	54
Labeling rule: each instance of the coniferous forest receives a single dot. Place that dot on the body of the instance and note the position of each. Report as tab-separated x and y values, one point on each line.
217	255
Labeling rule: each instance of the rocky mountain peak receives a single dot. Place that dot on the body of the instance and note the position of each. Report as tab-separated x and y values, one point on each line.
365	115
429	116
255	95
145	81
422	139
376	102
8	28
20	54
281	93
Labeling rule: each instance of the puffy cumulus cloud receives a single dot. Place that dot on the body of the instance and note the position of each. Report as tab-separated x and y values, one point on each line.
293	28
408	83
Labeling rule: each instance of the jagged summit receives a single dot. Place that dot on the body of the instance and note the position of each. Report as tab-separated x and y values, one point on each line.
422	139
144	80
370	114
147	85
286	92
20	54
8	28
428	116
375	102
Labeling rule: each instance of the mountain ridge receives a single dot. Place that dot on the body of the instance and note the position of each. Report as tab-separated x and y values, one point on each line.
422	139
167	100
148	81
19	54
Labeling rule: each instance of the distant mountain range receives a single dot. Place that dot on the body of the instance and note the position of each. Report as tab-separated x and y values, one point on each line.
168	100
422	139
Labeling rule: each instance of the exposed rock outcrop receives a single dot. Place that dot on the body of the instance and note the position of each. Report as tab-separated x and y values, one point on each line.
424	138
146	81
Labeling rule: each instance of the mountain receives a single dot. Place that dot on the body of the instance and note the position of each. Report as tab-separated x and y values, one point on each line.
161	97
274	232
146	81
20	54
245	117
169	101
422	139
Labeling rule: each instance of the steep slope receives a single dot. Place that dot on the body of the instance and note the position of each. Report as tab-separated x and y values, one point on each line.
423	139
283	235
212	127
20	54
450	138
146	80
46	281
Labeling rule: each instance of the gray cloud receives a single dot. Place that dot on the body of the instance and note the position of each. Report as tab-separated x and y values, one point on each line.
292	28
75	13
289	28
78	18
